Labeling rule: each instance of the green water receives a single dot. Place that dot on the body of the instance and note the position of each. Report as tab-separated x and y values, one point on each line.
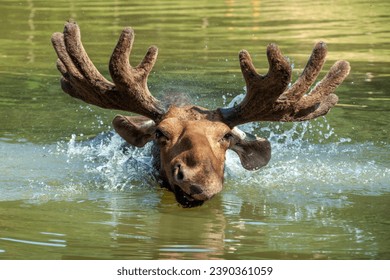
65	194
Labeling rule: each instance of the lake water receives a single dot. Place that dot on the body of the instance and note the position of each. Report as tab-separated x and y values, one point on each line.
67	191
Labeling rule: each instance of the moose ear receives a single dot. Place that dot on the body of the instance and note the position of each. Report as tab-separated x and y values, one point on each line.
136	130
254	152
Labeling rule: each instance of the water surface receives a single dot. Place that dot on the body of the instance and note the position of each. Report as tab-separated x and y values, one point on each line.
68	191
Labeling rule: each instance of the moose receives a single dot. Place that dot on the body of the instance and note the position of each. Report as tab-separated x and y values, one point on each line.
190	142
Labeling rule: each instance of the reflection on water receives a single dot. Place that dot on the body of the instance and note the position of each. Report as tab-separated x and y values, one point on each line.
70	190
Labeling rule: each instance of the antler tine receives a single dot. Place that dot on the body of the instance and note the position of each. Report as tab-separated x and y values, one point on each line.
274	82
267	98
127	77
76	51
262	91
322	98
79	80
82	80
309	74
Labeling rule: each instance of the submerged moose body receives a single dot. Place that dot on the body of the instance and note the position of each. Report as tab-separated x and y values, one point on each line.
191	141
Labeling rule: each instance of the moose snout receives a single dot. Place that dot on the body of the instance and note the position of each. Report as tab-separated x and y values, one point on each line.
184	176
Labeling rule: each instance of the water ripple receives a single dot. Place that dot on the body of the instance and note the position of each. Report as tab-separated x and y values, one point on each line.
30	242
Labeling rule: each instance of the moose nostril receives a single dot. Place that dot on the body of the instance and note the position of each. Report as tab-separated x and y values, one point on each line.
180	175
178	172
195	190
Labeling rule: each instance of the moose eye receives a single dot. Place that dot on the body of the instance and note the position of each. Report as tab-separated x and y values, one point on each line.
161	137
227	137
159	134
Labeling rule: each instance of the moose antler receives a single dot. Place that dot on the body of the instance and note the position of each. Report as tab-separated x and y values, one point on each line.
82	80
269	99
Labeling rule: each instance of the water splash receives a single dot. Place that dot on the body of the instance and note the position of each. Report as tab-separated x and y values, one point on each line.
302	167
321	171
109	163
310	163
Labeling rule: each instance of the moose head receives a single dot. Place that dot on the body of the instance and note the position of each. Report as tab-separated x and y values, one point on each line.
192	141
